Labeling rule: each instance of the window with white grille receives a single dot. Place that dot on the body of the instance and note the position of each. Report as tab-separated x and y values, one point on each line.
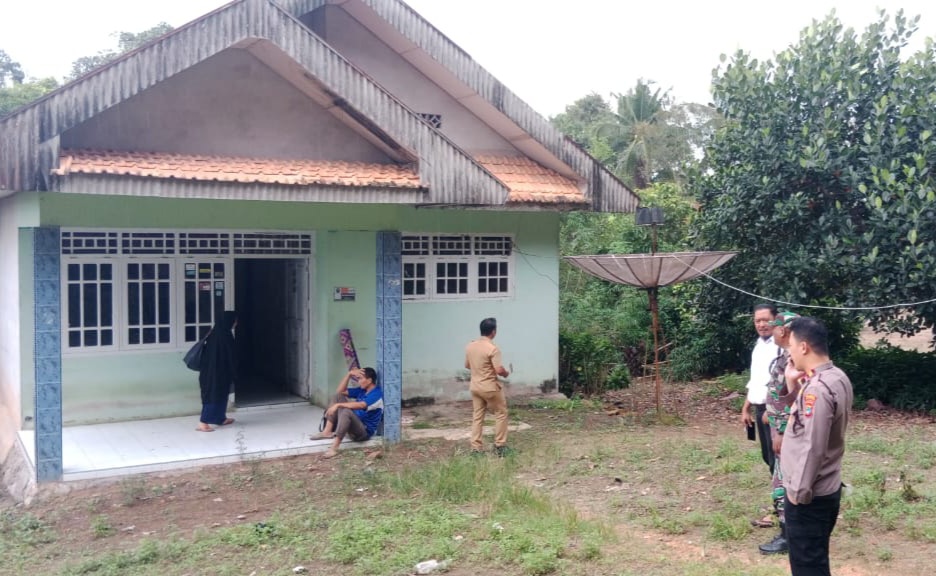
155	289
89	301
149	303
457	266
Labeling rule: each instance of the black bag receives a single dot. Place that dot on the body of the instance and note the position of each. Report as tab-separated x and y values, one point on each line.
193	357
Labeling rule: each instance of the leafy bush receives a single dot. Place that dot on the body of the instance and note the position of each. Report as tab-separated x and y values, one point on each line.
900	378
590	364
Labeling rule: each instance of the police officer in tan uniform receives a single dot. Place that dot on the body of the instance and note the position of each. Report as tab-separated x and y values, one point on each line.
483	358
813	446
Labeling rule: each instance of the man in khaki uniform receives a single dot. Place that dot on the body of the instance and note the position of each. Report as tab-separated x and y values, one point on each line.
813	446
483	358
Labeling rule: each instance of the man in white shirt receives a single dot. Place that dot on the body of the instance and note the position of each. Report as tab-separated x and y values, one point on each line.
765	351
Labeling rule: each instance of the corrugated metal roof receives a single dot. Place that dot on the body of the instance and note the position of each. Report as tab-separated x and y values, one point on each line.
605	191
106	185
29	139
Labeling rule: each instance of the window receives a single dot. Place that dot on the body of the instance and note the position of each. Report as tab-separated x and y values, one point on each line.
89	299
434	120
149	303
456	266
156	289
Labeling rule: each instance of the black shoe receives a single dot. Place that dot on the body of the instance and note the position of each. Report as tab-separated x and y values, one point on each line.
776	546
503	451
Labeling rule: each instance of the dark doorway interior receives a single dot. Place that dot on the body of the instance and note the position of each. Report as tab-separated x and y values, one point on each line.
270	299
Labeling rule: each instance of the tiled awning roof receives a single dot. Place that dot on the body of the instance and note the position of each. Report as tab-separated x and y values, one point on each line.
240	170
530	183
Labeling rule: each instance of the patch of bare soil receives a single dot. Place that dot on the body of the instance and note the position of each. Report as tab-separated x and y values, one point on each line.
160	505
921	342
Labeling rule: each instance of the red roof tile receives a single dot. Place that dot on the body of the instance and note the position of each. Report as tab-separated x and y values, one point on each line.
231	169
530	183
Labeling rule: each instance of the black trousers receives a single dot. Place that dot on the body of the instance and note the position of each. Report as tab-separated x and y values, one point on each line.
808	529
763	433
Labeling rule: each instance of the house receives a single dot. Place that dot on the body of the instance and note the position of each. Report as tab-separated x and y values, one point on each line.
314	164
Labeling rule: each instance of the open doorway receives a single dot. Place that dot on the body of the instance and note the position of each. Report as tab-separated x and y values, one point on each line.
272	303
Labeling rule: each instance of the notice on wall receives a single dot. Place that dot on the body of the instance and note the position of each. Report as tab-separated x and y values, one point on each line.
190	270
345	294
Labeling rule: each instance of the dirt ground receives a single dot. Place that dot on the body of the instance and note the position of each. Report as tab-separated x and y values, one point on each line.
166	505
920	342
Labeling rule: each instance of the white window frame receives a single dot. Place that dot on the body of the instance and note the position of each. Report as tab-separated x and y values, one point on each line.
152	248
431	253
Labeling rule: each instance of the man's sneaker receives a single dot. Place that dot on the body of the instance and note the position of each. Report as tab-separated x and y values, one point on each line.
504	451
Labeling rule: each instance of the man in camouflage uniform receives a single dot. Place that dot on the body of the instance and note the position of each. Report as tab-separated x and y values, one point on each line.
777	413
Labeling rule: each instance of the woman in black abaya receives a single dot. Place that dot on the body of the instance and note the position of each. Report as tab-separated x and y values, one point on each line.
218	372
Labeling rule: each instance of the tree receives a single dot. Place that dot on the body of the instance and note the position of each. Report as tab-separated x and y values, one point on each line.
634	131
579	122
19	95
821	176
15	90
649	138
126	41
10	72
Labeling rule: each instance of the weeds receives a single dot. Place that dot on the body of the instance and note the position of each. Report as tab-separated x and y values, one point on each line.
101	526
24	529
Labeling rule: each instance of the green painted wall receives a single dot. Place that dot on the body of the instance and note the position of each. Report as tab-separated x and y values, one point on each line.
27	300
127	386
436	333
112	387
343	259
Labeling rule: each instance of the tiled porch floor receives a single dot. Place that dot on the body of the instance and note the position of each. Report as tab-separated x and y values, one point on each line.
123	448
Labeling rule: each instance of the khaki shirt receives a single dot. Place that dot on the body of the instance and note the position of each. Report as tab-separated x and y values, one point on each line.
814	442
483	358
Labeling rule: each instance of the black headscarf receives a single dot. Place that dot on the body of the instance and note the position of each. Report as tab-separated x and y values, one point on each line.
219	361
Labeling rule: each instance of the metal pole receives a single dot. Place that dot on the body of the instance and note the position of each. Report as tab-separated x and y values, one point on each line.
654	314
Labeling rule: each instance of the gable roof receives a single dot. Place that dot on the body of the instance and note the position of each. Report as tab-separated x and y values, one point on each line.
606	192
30	139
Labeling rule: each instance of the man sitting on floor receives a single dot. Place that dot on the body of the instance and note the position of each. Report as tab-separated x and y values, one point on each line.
355	412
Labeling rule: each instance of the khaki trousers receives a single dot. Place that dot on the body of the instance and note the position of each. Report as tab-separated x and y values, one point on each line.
495	402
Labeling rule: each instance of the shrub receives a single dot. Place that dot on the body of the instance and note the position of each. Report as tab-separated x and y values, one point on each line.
590	364
900	378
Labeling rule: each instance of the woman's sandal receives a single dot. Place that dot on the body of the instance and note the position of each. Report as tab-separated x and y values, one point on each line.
765	522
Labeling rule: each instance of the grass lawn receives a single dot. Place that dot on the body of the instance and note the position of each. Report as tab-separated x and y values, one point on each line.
594	488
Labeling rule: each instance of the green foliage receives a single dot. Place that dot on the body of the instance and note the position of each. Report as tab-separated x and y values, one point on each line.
894	376
101	526
605	325
821	176
26	529
585	362
18	95
519	527
126	41
11	73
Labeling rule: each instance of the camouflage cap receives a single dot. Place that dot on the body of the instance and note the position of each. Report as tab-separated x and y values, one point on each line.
783	318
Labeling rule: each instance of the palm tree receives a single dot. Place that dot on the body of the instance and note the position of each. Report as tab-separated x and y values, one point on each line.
635	130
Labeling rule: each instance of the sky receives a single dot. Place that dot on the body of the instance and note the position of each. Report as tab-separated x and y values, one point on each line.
549	54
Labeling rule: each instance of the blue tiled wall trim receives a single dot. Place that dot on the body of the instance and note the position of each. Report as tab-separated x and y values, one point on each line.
48	353
390	331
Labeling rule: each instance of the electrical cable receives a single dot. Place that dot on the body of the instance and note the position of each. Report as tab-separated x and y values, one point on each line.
815	306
